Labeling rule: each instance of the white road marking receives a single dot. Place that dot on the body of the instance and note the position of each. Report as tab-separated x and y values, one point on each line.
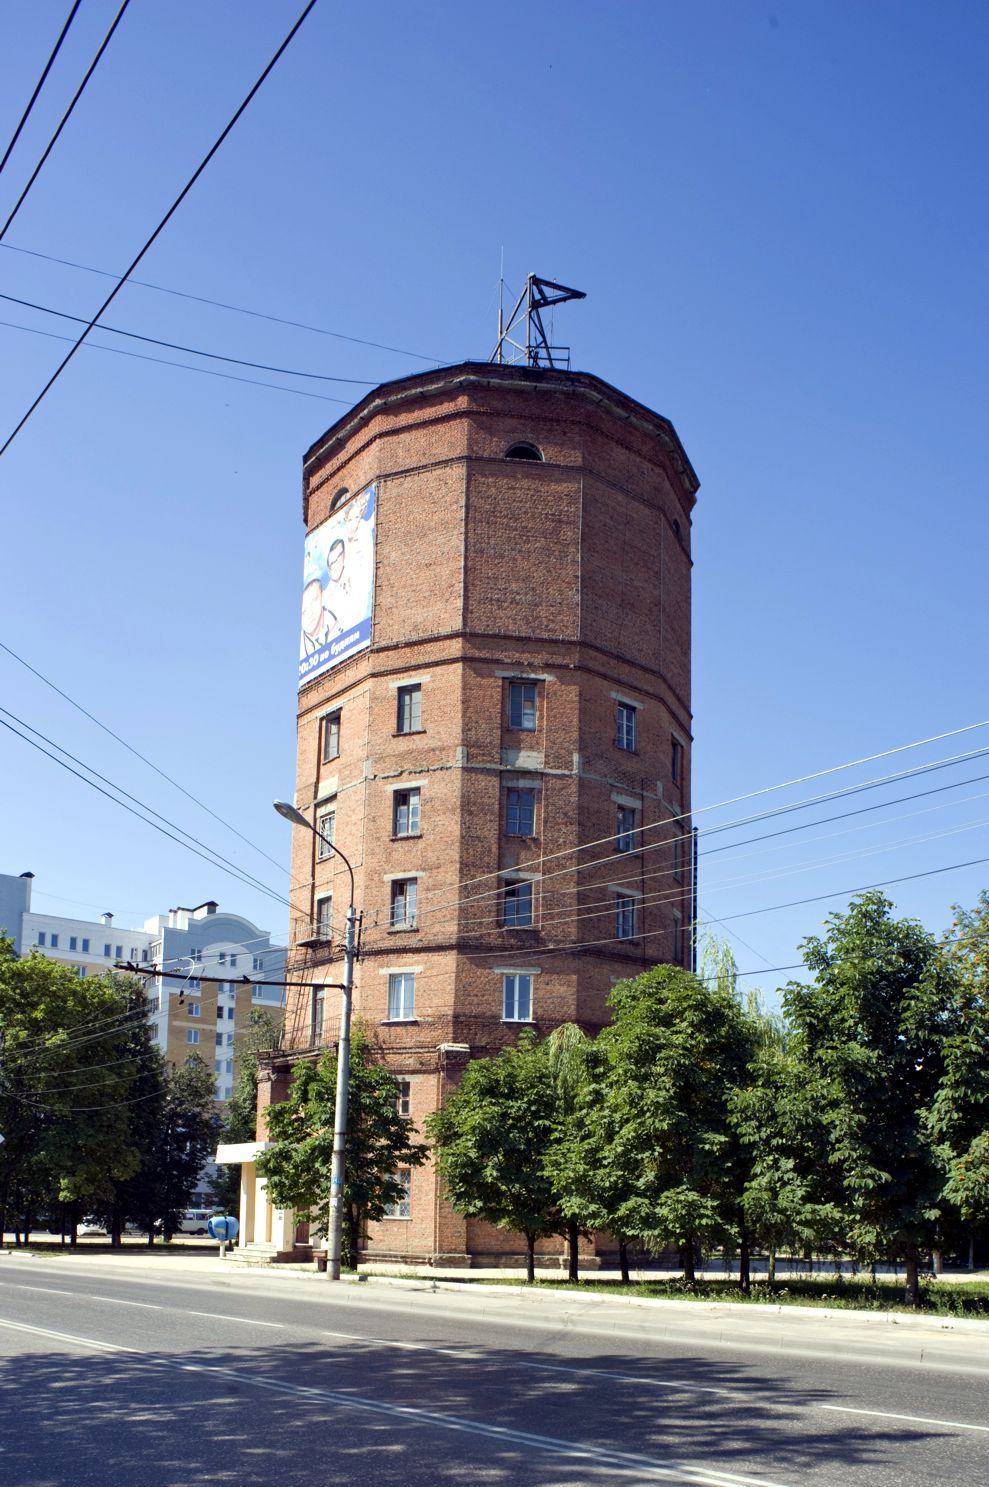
843	1409
10	1285
218	1316
469	1356
624	1463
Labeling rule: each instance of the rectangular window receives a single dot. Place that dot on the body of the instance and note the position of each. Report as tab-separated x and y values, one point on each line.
192	1036
522	706
153	1003
401	996
257	963
516	909
144	953
676	761
403	1100
324	917
218	1065
229	1039
54	942
219	1014
229	1065
520	812
405	813
625	837
403	903
42	936
678	857
193	952
401	1208
219	1040
85	948
155	1032
230	1013
516	998
80	971
626	729
233	961
326	828
331	736
409	718
257	992
73	942
194	1009
222	957
624	918
118	952
677	939
106	950
316	1012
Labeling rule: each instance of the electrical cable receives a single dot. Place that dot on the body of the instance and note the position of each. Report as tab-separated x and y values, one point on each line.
703	832
248	878
180	366
160	227
64	119
142	757
231	872
236	361
39	85
317	330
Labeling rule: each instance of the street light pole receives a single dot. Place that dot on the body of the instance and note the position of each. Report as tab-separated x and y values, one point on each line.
334	1239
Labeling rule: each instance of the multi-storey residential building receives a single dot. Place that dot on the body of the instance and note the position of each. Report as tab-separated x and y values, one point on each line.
218	966
494	728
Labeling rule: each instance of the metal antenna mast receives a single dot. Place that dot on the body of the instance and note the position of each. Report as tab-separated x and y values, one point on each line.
536	351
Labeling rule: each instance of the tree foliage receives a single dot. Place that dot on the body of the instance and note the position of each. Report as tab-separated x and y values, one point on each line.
379	1142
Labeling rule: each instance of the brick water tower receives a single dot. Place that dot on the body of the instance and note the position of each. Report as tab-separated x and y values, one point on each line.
494	727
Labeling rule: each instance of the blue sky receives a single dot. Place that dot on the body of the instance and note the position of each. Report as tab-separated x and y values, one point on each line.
779	214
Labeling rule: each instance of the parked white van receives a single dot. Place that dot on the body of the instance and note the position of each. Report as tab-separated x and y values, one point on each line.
194	1221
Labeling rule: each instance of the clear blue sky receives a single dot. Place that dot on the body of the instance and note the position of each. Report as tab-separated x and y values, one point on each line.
779	214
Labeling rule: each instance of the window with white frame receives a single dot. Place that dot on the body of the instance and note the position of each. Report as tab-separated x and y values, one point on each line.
330	727
233	961
194	1009
324	917
85	949
626	727
625	836
520	812
401	996
326	825
624	917
405	813
516	991
522	706
403	903
118	952
409	713
42	936
516	905
192	1035
401	1206
257	992
403	1100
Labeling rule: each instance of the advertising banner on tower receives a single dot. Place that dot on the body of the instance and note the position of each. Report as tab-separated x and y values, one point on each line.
338	587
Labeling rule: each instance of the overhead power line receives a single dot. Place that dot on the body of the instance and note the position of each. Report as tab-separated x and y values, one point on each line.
235	361
64	120
39	85
138	755
219	304
179	366
160	227
214	859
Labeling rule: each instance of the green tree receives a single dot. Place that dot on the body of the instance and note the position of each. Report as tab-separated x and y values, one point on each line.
379	1143
675	1050
178	1134
869	1034
491	1137
240	1119
65	1081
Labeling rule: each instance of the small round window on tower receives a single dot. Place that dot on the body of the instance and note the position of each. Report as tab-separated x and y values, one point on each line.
523	452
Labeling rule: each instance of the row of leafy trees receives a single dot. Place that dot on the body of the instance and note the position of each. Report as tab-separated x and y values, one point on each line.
93	1120
857	1122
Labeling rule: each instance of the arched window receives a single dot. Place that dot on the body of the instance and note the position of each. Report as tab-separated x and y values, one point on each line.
676	527
339	498
523	452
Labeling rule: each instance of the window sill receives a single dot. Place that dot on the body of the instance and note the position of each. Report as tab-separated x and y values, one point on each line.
528	927
519	1021
622	750
408	732
406	836
399	1021
403	929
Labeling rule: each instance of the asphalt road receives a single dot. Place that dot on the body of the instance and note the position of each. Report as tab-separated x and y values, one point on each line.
161	1378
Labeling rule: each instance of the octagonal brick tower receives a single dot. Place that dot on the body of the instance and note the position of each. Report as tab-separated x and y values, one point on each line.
503	750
